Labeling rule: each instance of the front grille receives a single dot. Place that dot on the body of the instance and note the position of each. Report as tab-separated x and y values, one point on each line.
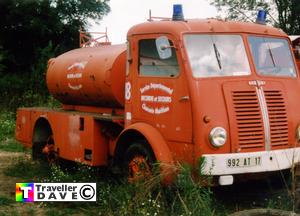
249	120
278	118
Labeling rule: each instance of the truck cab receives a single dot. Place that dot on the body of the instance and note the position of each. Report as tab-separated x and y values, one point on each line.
227	93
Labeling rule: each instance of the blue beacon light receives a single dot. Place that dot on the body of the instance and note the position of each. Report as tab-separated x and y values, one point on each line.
261	17
177	12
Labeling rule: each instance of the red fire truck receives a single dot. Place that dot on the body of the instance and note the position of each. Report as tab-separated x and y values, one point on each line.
179	91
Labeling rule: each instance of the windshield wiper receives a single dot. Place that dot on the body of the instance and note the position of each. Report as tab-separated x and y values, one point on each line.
270	52
218	57
272	57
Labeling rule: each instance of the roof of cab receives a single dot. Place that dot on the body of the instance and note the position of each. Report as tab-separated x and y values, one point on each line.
203	26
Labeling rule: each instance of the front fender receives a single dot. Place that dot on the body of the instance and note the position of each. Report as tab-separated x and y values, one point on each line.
155	140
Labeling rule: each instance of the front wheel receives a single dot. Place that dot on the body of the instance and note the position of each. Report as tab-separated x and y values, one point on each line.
138	162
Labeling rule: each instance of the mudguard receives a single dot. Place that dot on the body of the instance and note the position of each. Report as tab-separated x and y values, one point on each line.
159	146
155	140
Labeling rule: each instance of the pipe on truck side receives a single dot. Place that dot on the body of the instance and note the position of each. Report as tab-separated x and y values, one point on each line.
92	76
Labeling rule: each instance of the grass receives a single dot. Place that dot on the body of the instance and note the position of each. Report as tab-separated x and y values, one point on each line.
7	129
11	145
28	170
7	125
282	201
4	201
117	197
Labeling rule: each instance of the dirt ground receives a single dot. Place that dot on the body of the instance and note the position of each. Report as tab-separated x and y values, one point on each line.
7	183
8	188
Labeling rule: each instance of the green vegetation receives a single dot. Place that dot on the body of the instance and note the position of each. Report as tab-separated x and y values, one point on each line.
283	14
117	197
28	170
280	201
6	201
7	125
11	145
7	129
32	32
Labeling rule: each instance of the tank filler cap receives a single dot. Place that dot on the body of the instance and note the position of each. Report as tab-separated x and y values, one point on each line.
261	17
177	13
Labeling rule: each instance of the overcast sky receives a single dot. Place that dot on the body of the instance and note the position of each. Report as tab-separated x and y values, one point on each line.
126	13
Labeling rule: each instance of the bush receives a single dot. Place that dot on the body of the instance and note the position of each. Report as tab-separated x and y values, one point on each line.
7	125
28	88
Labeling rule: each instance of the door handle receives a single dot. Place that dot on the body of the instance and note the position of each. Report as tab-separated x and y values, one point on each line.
184	98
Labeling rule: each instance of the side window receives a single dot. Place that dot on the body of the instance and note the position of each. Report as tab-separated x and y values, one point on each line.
151	65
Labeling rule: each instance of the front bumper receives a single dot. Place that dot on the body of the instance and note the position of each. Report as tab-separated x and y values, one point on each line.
275	160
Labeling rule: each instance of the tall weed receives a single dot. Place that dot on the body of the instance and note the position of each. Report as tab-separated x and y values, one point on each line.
118	197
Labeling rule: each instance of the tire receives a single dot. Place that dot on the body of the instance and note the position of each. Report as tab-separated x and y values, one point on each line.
138	162
38	151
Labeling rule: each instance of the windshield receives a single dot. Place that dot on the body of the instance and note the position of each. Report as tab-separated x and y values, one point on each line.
216	55
272	56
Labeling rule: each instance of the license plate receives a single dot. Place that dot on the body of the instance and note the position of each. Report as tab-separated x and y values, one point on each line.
243	162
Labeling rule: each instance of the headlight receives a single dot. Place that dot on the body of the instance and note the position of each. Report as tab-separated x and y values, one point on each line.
218	136
298	133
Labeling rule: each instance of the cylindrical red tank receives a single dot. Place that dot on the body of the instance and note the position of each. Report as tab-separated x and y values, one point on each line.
89	76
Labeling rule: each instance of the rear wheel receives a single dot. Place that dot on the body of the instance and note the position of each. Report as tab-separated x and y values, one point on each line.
45	151
138	162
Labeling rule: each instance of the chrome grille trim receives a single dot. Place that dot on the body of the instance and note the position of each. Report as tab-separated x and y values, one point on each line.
265	116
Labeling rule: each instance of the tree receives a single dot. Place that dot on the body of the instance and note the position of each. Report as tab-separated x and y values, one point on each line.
284	14
32	31
27	26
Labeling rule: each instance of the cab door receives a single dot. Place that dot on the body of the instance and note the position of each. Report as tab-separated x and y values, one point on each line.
160	94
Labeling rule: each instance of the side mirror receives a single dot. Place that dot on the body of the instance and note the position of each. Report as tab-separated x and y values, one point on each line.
163	47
